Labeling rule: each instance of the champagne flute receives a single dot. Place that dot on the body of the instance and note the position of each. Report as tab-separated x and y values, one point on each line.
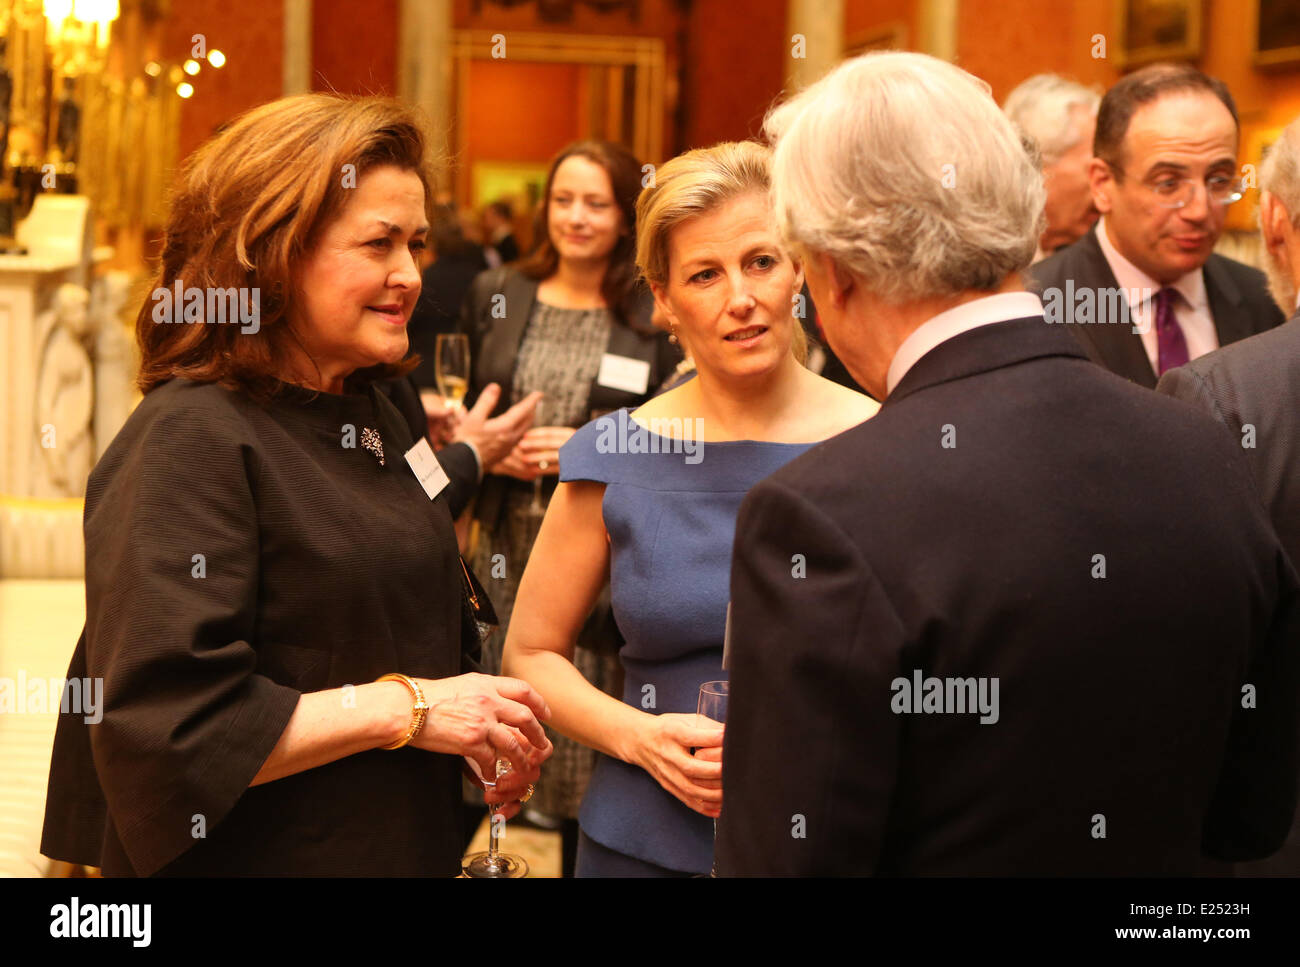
712	705
452	364
494	864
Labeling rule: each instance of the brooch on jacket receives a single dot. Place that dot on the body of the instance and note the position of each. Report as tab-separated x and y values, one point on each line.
371	441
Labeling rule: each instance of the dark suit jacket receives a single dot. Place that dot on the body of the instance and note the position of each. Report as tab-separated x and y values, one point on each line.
507	248
494	346
1253	388
1238	297
882	551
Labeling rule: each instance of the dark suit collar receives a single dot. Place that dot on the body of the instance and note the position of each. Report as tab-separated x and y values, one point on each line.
1092	258
1225	298
1226	302
1117	347
986	348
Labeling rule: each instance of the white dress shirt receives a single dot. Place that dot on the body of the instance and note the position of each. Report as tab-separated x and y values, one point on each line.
1192	309
953	322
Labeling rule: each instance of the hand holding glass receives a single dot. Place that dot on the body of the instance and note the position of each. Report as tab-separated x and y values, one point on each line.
494	864
713	705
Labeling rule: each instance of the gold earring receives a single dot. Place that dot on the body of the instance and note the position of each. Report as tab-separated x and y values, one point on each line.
672	333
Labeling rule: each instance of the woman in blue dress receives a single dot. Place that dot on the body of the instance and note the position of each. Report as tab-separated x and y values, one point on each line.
651	496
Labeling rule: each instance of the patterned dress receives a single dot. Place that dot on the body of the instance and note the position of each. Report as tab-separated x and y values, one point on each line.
560	356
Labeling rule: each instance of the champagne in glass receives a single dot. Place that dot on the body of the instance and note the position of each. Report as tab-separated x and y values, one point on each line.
452	364
713	705
494	864
537	510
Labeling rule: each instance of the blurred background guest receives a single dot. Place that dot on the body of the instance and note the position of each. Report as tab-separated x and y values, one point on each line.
1060	116
1253	388
1163	177
499	232
571	322
663	524
456	260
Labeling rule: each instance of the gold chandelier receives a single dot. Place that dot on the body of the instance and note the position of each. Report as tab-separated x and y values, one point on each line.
77	33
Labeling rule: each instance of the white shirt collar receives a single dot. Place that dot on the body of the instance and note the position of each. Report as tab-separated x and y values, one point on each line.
955	321
1132	279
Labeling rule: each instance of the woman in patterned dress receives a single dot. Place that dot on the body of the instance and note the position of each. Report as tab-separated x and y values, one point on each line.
572	322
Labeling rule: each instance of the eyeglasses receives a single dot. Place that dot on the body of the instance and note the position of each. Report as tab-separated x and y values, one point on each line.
1170	192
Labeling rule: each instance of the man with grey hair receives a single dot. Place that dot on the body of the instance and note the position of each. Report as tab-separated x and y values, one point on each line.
965	638
1253	386
1059	115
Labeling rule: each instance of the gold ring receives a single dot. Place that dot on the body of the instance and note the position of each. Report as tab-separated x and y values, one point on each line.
543	464
528	795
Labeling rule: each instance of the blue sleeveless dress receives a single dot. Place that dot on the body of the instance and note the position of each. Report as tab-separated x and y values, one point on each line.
670	508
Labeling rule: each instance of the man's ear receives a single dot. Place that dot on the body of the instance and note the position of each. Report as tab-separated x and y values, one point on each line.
1274	220
798	274
1102	182
839	282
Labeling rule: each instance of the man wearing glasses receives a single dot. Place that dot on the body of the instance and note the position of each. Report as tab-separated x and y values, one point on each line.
1163	175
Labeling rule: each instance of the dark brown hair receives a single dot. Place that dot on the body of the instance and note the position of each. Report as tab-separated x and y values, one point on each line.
621	287
1143	87
249	205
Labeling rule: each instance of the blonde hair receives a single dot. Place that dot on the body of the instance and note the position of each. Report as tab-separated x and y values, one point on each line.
693	184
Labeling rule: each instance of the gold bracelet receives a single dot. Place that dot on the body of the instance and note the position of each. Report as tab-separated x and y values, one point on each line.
418	711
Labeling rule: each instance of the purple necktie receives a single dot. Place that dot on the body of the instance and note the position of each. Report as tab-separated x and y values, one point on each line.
1171	347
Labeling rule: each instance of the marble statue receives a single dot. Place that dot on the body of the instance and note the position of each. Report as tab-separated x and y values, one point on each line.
65	397
115	358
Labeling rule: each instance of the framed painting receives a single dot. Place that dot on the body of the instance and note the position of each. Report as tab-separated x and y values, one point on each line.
1155	30
1276	33
521	183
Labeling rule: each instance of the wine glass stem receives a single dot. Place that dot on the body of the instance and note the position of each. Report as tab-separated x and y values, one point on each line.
493	832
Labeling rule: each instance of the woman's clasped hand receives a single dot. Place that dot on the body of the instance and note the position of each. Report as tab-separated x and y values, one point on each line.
685	758
486	718
536	454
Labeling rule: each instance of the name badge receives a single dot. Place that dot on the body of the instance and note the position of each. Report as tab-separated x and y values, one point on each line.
427	469
620	372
